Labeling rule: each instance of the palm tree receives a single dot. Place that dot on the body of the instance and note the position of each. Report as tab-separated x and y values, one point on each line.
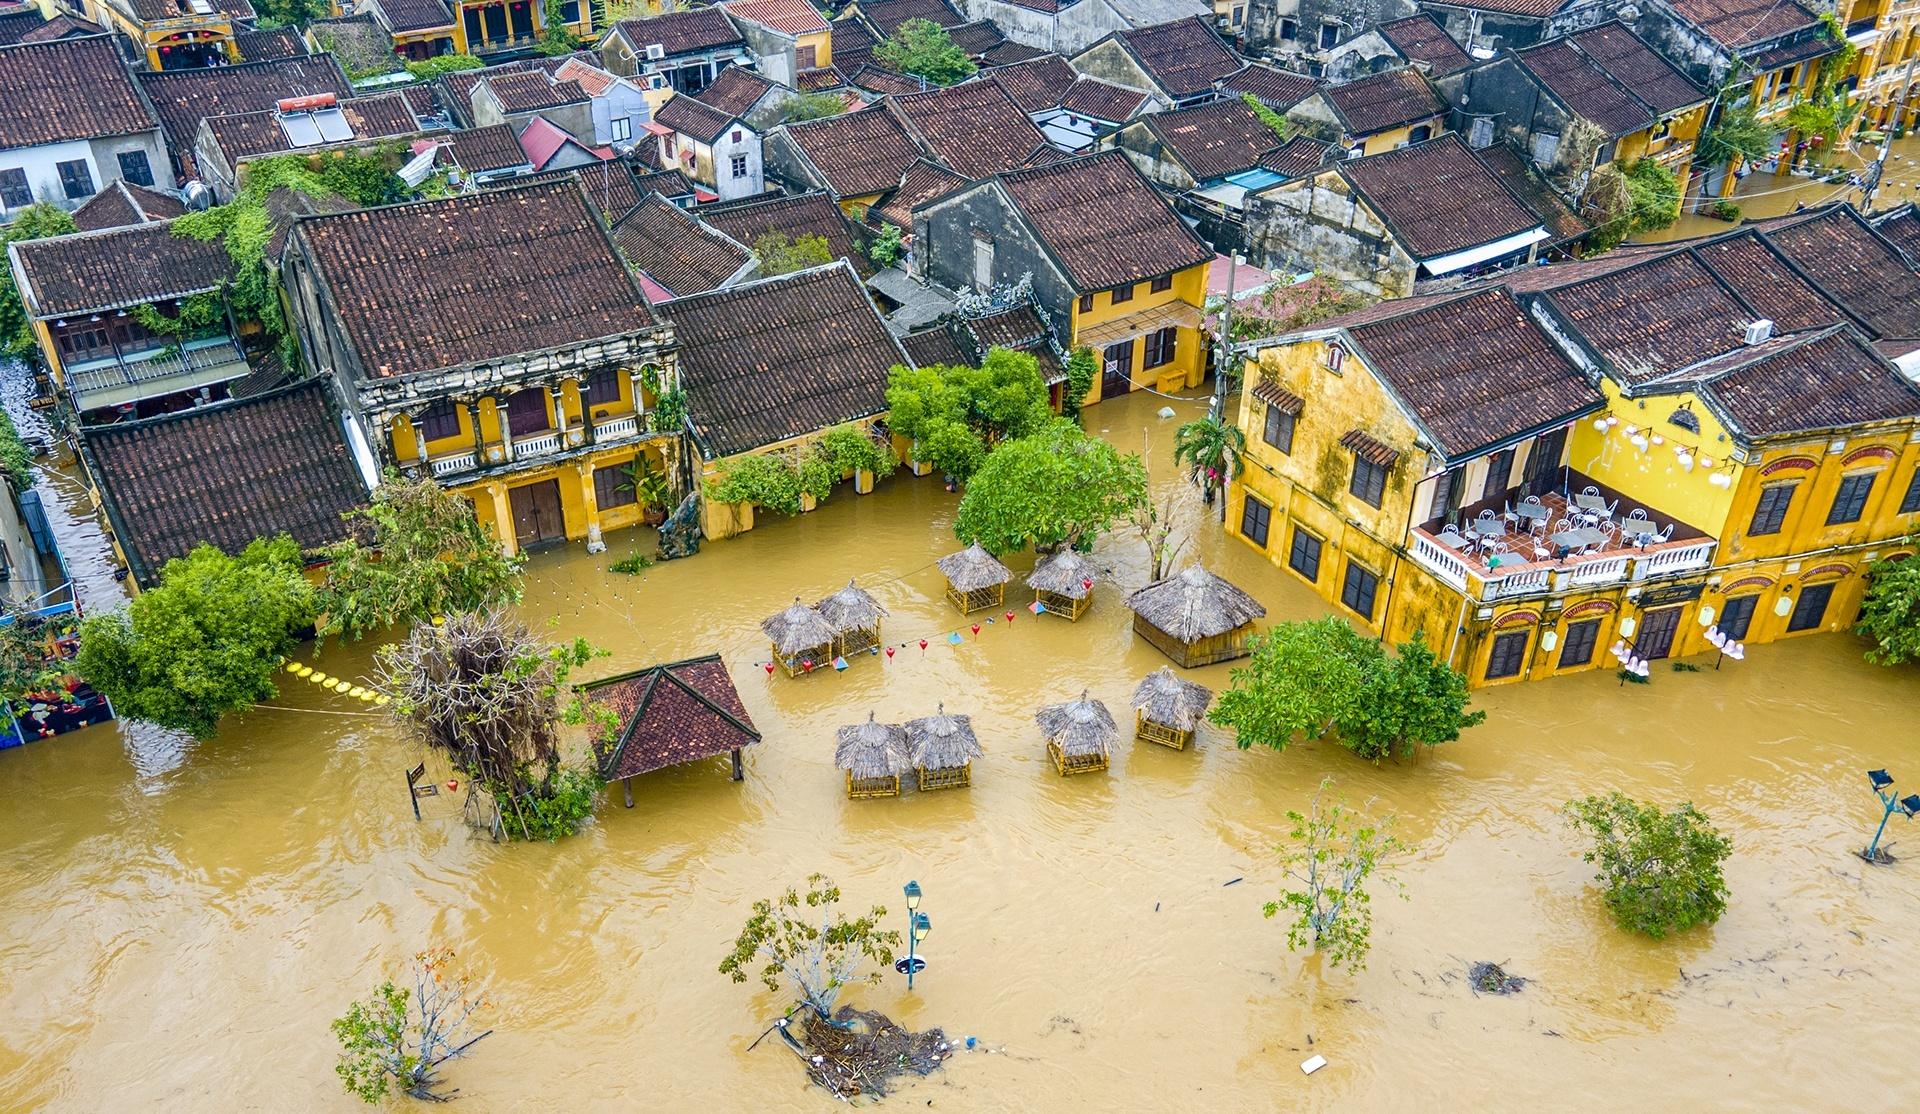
1211	450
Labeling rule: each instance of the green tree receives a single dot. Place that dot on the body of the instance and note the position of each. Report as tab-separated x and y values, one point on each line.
1081	366
763	480
1273	120
779	255
1660	871
16	460
1642	197
802	107
1212	451
420	553
886	248
1311	679
1737	132
289	13
557	38
923	48
805	941
428	69
1056	487
1890	614
35	222
1333	855
954	414
396	1039
206	640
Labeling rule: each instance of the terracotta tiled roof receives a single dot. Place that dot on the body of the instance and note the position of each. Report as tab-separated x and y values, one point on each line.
1767	282
1419	39
853	42
1534	9
260	45
821	79
1637	66
1036	85
92	271
857	153
1823	380
1100	100
934	346
888	15
1278	397
1585	88
923	182
421	99
1103	222
272	464
69	89
246	134
668	715
1902	226
484	150
675	250
16	23
1655	317
358	41
1437	198
481	276
593	80
695	118
62	26
416	15
736	90
1738	23
459	85
1808	47
533	91
1277	89
1474	368
875	78
1298	157
1518	175
1184	57
976	38
684	32
1385	100
806	214
1363	444
1861	271
1011	53
119	204
609	184
153	11
667	183
781	358
975	128
794	17
1018	328
1216	139
182	97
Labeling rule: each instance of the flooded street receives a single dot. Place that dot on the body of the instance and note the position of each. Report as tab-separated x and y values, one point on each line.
178	924
1763	194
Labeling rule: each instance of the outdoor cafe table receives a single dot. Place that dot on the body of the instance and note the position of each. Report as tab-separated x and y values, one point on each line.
1534	512
1487	527
1590	503
1578	539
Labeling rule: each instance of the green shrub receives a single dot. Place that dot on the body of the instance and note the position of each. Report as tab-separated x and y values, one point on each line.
558	809
764	481
430	68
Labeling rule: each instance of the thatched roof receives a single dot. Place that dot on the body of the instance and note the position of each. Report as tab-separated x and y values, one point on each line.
1171	701
1082	726
797	629
942	742
1195	605
851	609
872	749
1066	573
973	568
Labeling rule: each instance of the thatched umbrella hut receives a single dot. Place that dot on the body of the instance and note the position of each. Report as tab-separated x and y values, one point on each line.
1080	734
1063	583
1195	618
874	755
1167	709
802	638
855	617
974	579
943	749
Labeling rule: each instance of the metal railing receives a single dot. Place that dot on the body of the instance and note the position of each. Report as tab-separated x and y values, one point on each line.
142	369
1537	577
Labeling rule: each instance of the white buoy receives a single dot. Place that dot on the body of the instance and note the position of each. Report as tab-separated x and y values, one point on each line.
1313	1064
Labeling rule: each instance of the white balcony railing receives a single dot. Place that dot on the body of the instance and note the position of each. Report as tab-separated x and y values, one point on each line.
614	428
452	463
1682	558
1444	563
1538	577
545	443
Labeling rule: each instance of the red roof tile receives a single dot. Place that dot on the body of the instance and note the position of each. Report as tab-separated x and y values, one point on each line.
1385	100
1855	267
1215	140
923	182
119	204
857	153
87	272
1637	66
183	97
1437	198
1419	39
1827	380
68	89
1184	57
1738	23
888	15
974	128
675	250
794	17
485	150
1277	89
691	117
1100	100
669	714
685	32
736	91
1036	85
1103	222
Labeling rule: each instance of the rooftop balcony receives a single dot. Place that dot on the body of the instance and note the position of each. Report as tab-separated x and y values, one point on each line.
1578	534
130	377
610	430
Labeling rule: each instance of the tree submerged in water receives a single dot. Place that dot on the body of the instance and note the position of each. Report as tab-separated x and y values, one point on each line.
483	691
1332	857
807	943
1660	870
398	1040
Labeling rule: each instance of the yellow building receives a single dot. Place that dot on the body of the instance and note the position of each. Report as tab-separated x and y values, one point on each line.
1611	453
424	29
1384	112
1884	32
788	37
1116	270
516	359
176	34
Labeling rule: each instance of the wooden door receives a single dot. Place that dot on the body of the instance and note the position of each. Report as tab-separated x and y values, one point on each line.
537	517
1657	629
527	411
1118	377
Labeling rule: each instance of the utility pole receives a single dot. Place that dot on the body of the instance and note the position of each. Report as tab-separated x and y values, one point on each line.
1886	145
1218	409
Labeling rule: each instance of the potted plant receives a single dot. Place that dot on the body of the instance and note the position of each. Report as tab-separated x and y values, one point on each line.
649	487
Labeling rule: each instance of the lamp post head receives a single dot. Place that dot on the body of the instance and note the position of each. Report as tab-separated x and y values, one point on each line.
921	926
1880	778
913	896
1910	804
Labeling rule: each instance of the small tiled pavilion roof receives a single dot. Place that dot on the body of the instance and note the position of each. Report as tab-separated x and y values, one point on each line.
669	715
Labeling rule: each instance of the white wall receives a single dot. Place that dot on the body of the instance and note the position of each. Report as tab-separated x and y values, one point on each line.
725	184
100	155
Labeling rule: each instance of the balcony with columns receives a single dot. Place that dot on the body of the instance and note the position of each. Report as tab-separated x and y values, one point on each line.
461	437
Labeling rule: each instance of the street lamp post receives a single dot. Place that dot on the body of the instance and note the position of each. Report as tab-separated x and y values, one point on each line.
918	926
1881	781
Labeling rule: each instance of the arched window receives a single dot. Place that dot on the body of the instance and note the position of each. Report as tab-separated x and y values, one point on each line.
1336	355
1684	418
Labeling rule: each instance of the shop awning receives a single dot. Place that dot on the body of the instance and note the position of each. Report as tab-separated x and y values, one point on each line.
1140	323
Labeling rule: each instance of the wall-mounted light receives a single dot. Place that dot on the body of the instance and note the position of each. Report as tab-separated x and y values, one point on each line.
1720	479
1549	640
1628	626
1706	616
1783	606
1638	442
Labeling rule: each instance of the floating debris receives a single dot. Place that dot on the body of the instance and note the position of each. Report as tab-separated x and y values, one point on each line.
1491	978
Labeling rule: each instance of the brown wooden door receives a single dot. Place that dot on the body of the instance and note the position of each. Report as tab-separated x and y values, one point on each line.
527	411
1118	376
1657	629
537	517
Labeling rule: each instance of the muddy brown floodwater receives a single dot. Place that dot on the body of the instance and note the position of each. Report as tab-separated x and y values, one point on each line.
178	923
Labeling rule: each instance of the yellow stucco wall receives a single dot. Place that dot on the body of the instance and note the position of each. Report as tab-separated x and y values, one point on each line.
1655	475
1189	364
822	44
1817	467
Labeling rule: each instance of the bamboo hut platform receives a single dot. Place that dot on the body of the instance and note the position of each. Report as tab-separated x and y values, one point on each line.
1080	735
855	618
1063	584
802	638
1167	710
943	749
1195	617
874	755
975	580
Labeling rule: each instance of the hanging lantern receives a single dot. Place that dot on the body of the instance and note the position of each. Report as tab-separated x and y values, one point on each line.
889	653
1009	616
807	665
1087	583
923	644
769	668
453	786
976	629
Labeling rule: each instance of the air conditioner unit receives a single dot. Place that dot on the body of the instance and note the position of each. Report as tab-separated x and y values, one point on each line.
655	52
1759	332
655	81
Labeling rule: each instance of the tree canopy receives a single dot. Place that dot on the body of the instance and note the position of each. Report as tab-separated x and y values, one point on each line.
1309	679
779	255
923	48
955	413
1333	854
805	941
1660	870
802	107
1056	487
1890	614
204	641
35	222
1642	197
